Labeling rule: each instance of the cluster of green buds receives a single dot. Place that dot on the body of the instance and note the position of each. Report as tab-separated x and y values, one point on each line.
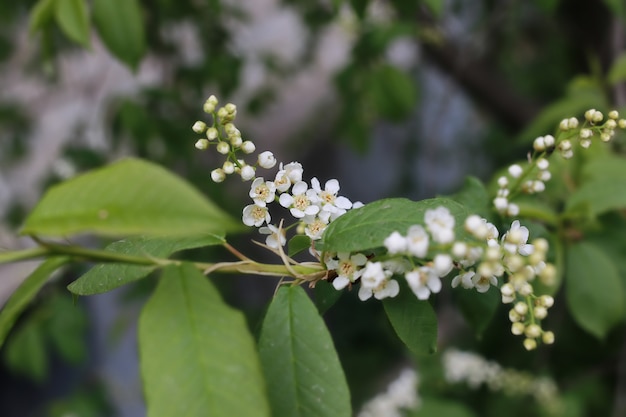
224	135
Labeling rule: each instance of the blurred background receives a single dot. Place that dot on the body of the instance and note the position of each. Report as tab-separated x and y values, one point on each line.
393	98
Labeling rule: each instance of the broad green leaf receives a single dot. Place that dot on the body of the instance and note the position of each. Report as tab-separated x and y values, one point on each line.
128	197
393	93
605	166
413	320
367	227
301	367
617	72
41	14
73	20
25	351
474	197
600	195
66	328
430	407
297	244
197	355
478	309
594	292
25	292
121	27
326	296
105	277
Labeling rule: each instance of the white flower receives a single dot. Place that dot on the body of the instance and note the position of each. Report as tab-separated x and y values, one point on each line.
262	192
299	202
287	175
254	215
348	268
328	197
375	281
248	147
202	144
395	243
417	241
267	159
442	264
515	170
464	279
423	281
514	241
483	282
276	238
440	224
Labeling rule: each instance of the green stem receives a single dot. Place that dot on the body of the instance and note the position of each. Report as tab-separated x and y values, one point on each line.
78	253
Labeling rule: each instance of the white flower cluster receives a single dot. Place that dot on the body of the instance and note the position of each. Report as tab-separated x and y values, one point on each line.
475	371
531	178
428	253
313	207
401	394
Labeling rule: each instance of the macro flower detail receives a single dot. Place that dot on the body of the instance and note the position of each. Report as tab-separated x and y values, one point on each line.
440	224
255	215
375	281
300	201
262	192
348	268
423	281
276	237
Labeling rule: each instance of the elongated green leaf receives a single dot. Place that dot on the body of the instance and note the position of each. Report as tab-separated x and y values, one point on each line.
197	355
301	367
600	195
40	15
105	277
128	197
367	227
478	309
25	293
413	320
326	296
121	27
595	295
73	20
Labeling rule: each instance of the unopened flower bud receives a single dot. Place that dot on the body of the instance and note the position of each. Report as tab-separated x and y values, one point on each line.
530	344
547	338
548	275
212	133
517	328
589	114
539	144
622	123
565	145
459	250
597	117
610	124
542	163
218	175
547	301
231	108
533	331
199	127
515	170
500	203
248	147
613	114
606	136
521	308
247	172
564	124
540	312
512	210
549	141
573	123
507	289
202	144
223	148
267	159
228	167
236	141
514	316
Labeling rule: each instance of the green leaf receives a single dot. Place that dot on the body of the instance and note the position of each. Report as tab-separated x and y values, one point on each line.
617	72
25	292
594	293
66	328
105	277
478	309
600	195
297	244
41	15
197	355
435	6
474	197
301	367
413	320
325	296
393	93
25	351
125	198
73	20
368	226
121	27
